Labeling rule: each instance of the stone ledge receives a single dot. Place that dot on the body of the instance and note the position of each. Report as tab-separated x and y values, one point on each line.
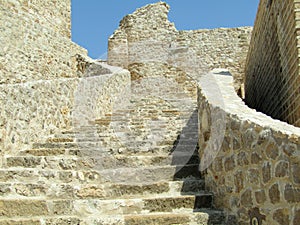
233	105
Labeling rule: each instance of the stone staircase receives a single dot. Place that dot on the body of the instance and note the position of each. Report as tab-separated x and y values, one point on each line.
137	165
53	184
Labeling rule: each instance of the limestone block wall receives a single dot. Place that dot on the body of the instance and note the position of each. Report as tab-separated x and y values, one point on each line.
33	111
148	36
40	73
255	170
35	41
272	68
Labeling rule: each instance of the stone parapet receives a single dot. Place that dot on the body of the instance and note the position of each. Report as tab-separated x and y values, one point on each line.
251	160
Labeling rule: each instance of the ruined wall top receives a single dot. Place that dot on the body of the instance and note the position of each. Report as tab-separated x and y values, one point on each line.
149	22
148	36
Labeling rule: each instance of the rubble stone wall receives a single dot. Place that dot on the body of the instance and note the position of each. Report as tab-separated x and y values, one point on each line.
32	111
41	70
35	41
255	172
148	36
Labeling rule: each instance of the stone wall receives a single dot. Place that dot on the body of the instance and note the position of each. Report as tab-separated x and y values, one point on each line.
255	170
33	111
35	41
148	36
272	68
40	71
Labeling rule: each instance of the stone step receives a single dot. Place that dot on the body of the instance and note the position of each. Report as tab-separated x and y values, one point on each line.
60	139
207	217
75	162
49	220
21	207
107	160
53	190
31	207
47	145
124	147
151	174
120	175
47	176
91	149
49	152
187	203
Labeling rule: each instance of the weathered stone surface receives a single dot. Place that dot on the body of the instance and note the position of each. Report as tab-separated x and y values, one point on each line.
91	191
20	222
229	163
61	207
4	189
266	172
272	151
11	208
274	193
260	196
281	216
282	169
296	173
239	181
296	217
254	176
167	204
218	164
156	219
291	194
242	159
263	85
255	158
246	198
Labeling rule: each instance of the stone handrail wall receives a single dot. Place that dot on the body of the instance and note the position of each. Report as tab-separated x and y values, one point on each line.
35	110
148	36
255	171
272	68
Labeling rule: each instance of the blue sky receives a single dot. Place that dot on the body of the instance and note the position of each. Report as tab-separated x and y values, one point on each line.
93	21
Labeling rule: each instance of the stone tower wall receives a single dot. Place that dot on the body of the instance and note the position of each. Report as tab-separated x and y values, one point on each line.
272	69
40	71
35	41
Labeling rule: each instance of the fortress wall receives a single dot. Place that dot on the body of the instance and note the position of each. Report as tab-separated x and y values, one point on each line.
272	68
35	41
40	72
256	170
148	36
35	110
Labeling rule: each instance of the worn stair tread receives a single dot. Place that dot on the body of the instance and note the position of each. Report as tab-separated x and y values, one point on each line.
101	191
144	205
73	161
33	220
196	218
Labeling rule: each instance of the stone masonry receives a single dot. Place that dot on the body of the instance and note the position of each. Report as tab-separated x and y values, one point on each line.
39	70
148	36
272	68
255	172
160	139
